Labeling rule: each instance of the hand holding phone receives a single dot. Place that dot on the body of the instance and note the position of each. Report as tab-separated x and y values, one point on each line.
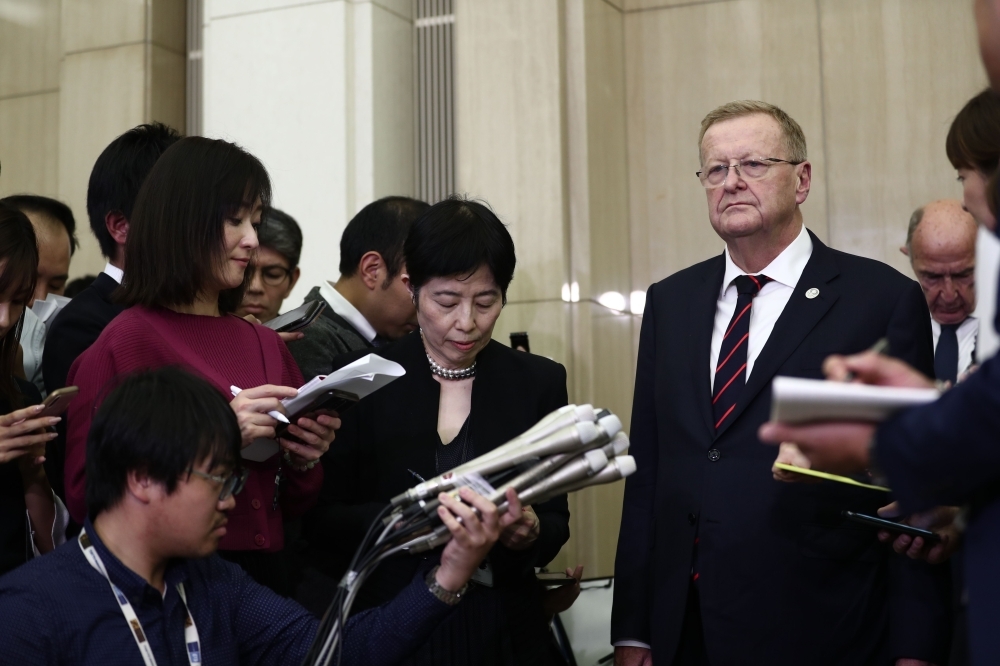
891	526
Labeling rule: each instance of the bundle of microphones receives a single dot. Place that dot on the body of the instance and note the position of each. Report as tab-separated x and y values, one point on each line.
571	448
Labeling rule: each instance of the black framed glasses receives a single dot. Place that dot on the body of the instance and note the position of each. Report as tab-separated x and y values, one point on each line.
232	483
273	275
749	169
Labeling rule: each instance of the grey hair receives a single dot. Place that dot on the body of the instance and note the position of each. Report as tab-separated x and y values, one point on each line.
915	219
280	232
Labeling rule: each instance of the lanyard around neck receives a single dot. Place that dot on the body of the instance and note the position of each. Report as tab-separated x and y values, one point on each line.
191	641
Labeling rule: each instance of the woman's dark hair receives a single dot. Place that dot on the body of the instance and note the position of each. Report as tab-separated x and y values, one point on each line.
973	140
175	237
280	232
162	422
118	175
18	268
455	237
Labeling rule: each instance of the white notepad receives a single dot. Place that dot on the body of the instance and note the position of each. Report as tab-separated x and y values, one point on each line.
361	378
796	400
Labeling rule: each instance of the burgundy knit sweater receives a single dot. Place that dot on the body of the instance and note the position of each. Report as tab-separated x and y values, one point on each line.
226	351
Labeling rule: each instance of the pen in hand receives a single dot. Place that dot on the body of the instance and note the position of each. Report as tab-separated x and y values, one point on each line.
880	347
277	416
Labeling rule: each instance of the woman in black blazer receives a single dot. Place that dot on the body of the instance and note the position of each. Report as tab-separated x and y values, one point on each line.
26	501
463	395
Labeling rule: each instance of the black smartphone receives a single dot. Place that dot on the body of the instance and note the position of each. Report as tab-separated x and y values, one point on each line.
297	319
333	400
520	341
890	525
555	579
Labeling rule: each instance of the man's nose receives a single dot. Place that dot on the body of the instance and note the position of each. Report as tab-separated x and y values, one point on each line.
734	180
256	282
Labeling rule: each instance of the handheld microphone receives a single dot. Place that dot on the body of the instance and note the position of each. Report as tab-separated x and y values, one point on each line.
618	468
568	439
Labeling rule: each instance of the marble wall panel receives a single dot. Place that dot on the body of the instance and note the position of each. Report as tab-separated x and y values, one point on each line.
168	24
96	24
29	145
29	39
102	94
895	74
276	82
393	103
165	82
509	130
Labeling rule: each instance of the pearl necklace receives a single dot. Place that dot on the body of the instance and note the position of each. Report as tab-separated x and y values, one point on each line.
445	373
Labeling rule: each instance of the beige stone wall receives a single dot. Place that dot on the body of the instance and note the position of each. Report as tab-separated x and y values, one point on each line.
74	74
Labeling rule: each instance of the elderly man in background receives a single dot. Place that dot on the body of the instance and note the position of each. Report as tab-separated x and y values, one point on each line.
55	230
941	245
717	563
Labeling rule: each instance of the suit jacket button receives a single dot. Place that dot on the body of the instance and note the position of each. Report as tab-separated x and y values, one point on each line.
692	518
255	503
259	540
714	455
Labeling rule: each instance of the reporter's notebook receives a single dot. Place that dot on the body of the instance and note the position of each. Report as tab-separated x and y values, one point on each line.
797	400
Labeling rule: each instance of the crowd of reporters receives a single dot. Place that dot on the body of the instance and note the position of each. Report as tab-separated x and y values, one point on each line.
160	525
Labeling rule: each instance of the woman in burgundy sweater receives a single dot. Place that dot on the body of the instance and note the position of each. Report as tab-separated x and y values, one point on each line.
191	236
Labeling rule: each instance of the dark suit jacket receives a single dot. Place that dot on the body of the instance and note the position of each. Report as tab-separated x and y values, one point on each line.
326	338
949	453
782	578
394	431
74	329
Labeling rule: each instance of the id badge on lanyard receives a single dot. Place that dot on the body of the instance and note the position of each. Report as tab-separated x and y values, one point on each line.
191	640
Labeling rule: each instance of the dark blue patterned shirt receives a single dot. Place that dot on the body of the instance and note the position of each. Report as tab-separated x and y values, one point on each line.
58	610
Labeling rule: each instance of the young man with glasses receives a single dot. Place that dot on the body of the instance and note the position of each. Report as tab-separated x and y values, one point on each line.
142	581
276	266
717	562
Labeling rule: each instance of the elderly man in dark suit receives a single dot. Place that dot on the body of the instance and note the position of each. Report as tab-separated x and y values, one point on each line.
717	563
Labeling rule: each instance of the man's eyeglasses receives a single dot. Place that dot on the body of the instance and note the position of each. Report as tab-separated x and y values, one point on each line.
273	275
232	483
753	169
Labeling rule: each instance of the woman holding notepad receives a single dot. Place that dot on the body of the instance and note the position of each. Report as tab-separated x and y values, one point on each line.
191	238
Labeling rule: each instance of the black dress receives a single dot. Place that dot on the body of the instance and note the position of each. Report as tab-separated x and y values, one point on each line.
15	546
390	439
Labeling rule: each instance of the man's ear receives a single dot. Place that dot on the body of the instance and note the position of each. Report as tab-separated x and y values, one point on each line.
117	226
141	487
296	274
371	270
905	250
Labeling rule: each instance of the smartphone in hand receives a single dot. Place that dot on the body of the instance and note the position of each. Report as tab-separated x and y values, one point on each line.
58	401
891	526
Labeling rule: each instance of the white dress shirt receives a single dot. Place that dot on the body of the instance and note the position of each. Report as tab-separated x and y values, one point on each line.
345	309
785	271
967	333
114	272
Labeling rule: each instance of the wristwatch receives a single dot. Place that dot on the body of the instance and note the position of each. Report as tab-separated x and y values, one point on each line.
446	596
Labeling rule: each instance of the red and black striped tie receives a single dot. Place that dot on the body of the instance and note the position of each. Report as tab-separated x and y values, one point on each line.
731	372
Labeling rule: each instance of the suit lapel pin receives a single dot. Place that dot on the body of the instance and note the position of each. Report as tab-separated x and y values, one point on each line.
812	293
